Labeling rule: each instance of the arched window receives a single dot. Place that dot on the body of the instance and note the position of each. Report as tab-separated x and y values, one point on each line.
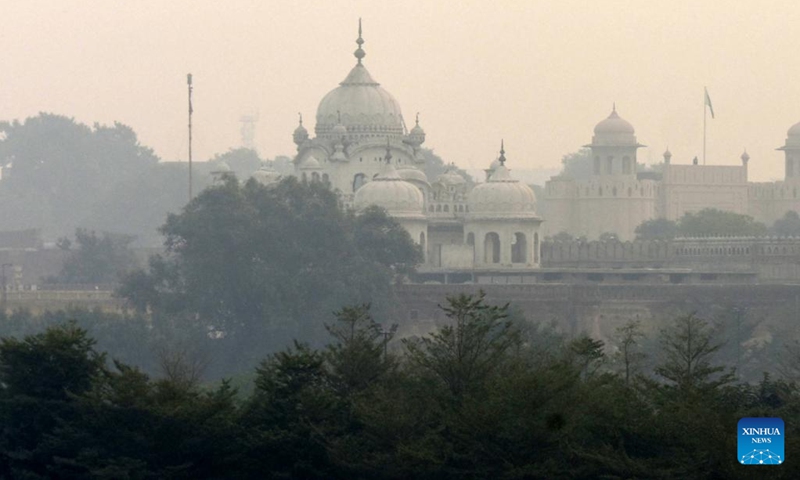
626	165
422	240
471	239
491	248
519	249
314	177
439	207
597	165
326	179
446	207
358	180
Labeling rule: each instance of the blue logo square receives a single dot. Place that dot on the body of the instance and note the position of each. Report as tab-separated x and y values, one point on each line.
761	441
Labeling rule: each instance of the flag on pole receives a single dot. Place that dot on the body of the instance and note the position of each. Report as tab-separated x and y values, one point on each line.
708	102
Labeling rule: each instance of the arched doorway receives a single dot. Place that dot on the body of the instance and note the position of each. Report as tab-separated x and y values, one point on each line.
519	249
491	248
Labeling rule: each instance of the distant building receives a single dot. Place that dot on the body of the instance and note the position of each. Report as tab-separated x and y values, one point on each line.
363	150
617	198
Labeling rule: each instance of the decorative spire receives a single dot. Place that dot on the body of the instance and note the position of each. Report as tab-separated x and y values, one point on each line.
301	118
388	156
418	119
359	53
502	158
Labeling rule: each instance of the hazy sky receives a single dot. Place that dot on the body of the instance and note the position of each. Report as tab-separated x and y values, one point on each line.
538	74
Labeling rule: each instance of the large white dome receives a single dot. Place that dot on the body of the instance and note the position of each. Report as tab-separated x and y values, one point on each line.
361	103
502	197
614	130
398	197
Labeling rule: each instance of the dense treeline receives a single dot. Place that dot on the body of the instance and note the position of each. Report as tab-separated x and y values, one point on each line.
484	396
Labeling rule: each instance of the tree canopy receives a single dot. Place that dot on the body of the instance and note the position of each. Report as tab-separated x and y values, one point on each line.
97	259
787	226
480	397
708	222
261	265
55	170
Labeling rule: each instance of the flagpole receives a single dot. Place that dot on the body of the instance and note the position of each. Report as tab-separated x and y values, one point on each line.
189	83
705	113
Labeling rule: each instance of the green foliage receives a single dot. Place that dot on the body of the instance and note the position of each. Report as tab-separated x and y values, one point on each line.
578	165
262	265
49	365
688	347
61	169
787	226
464	354
97	259
359	355
243	161
657	229
484	396
719	223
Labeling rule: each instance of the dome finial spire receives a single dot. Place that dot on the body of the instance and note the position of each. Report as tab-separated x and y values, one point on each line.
301	118
359	53
418	119
502	158
388	156
614	107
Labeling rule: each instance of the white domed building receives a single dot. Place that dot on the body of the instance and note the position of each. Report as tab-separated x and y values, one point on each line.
502	225
614	199
354	123
402	200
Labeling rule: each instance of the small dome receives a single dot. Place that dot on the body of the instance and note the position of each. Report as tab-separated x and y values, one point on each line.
310	163
398	197
502	197
412	174
614	125
451	177
794	131
339	130
300	134
266	175
222	167
416	136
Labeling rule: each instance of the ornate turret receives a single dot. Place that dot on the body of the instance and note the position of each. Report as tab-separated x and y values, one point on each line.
501	196
667	156
791	150
300	134
614	146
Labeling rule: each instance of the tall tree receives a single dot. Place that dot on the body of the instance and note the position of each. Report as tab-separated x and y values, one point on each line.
262	265
61	169
464	354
